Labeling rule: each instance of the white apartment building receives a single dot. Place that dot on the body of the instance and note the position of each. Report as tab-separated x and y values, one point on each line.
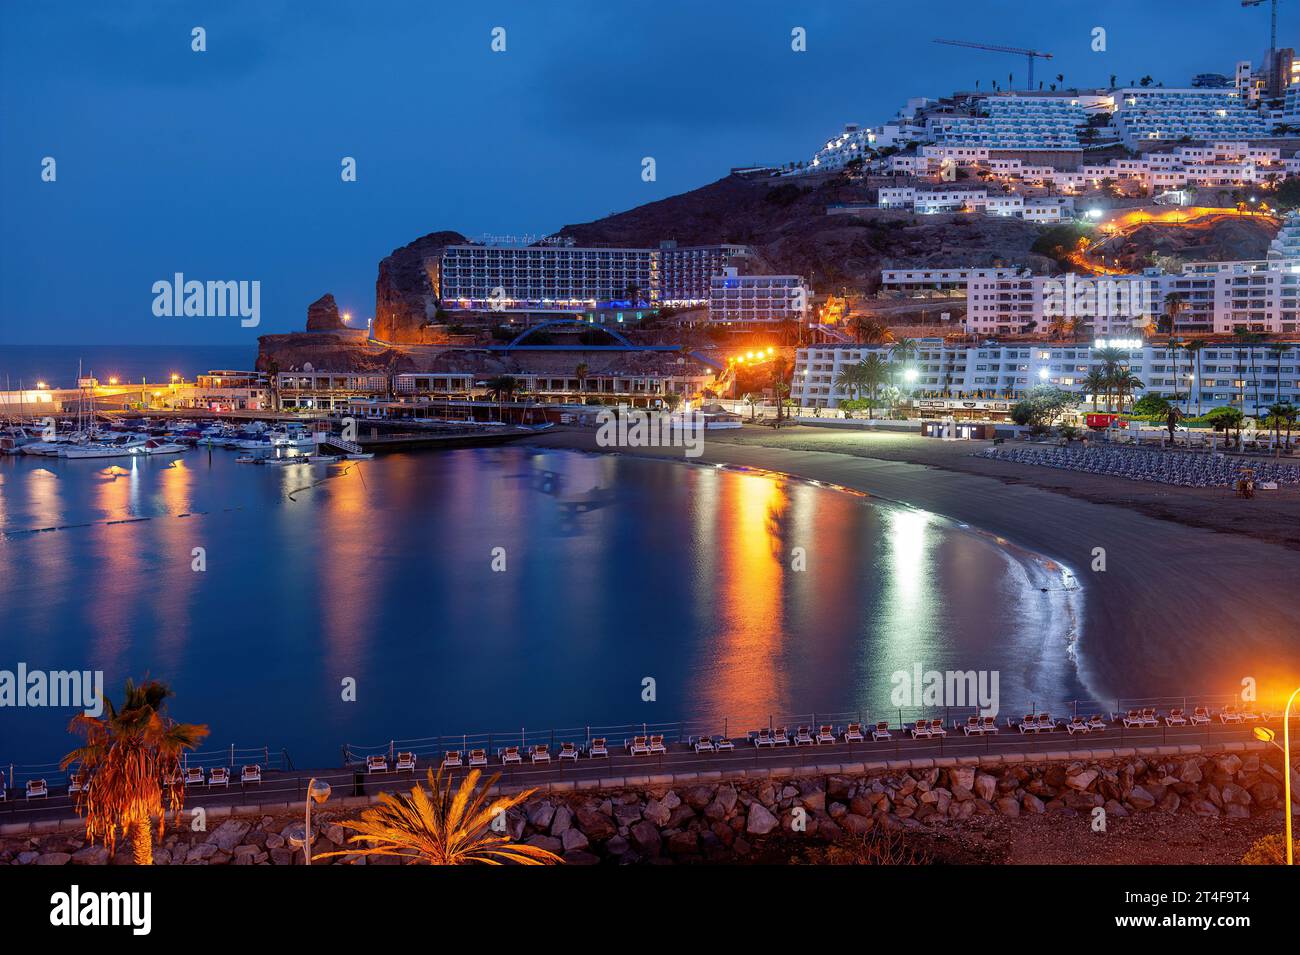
1013	122
1021	303
1143	115
915	280
852	143
757	299
1229	372
547	278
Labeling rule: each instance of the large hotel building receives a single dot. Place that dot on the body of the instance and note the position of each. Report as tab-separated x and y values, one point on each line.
563	279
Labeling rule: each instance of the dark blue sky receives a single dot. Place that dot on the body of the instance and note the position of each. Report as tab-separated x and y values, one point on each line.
225	164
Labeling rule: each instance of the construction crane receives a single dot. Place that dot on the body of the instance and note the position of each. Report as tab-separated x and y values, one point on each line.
1272	36
1029	54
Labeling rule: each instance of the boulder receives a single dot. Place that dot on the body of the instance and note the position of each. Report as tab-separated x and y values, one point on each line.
1008	806
54	858
1140	798
572	840
323	315
231	833
91	855
549	843
760	821
646	837
986	786
1081	780
595	824
562	821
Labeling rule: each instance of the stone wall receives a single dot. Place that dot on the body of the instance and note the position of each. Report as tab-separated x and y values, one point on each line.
703	817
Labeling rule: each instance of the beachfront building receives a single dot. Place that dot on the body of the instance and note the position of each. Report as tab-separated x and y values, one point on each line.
227	390
1022	303
326	391
747	300
1230	372
548	278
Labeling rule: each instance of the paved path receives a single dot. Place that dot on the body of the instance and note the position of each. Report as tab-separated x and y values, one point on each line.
290	787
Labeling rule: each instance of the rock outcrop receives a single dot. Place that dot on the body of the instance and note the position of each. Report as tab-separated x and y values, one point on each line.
406	291
323	315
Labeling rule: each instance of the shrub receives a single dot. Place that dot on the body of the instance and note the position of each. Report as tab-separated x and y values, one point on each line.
1271	850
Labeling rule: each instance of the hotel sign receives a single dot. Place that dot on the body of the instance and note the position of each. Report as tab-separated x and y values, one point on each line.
962	404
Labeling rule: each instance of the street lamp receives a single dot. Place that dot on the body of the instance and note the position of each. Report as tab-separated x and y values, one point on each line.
317	791
1268	736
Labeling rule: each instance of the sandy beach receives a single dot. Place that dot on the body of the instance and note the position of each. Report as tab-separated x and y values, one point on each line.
1195	594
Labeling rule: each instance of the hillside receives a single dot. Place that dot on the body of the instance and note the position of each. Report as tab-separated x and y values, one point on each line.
787	226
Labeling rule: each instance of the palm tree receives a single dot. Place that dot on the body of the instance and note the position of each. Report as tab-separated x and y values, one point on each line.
1278	351
438	828
1173	308
501	387
779	387
751	399
1096	383
1277	416
128	756
1194	349
581	373
1125	384
1172	417
849	380
874	373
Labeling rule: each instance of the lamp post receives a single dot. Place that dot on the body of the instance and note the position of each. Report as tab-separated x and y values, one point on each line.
1268	736
317	791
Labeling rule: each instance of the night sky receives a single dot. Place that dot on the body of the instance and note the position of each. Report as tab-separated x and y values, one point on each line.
226	164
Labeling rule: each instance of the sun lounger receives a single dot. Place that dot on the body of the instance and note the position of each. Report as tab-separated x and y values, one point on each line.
568	751
781	737
1097	723
407	761
973	726
1200	716
638	746
77	783
1249	716
803	736
853	733
376	764
1045	723
194	776
540	753
454	759
1027	725
1149	717
881	731
1133	718
1077	724
478	757
723	742
990	725
1175	717
920	729
1230	714
38	789
597	748
703	744
937	728
825	734
764	737
218	776
657	744
251	774
510	754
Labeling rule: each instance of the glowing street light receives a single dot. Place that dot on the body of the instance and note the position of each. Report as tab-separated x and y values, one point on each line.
40	384
317	791
1268	736
112	380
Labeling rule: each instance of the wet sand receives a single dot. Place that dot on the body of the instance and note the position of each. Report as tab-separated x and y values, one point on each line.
1179	608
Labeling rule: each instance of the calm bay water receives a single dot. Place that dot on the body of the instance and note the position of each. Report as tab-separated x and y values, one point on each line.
381	572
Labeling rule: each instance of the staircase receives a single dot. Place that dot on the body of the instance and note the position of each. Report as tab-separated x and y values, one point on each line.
351	447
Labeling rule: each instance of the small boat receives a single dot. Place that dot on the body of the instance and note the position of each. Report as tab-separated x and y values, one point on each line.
323	458
363	456
248	459
282	462
158	446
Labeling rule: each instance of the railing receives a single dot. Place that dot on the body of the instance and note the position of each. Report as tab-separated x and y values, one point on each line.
287	782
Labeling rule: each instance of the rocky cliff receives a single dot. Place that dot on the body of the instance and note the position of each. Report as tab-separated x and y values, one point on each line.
406	299
323	315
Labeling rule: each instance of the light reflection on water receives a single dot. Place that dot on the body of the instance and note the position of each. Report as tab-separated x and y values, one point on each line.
616	570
